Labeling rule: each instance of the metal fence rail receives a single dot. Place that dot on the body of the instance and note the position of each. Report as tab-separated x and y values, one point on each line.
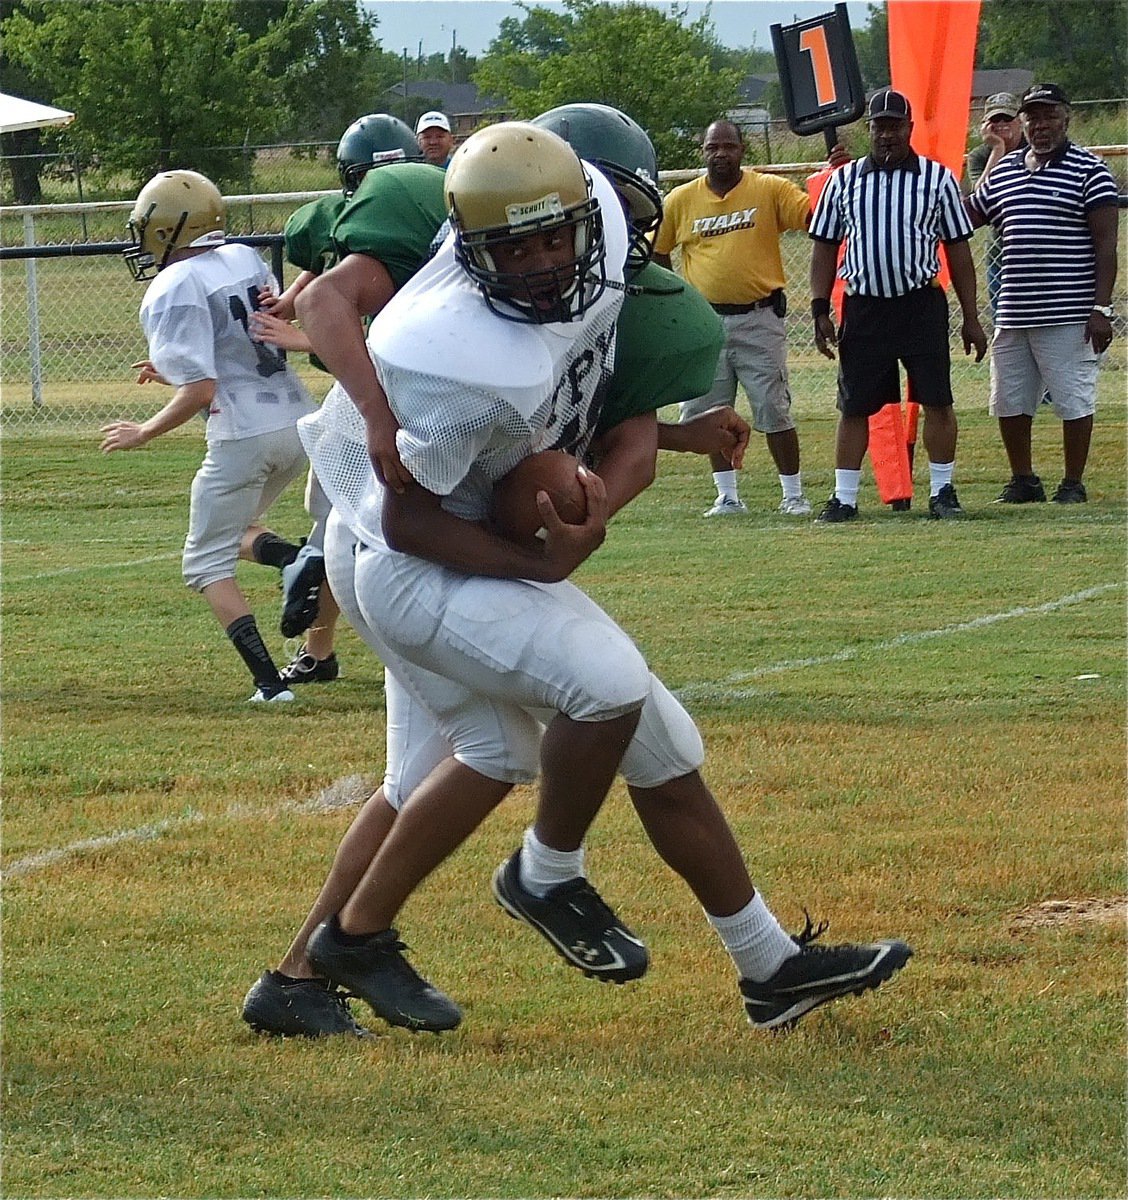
69	320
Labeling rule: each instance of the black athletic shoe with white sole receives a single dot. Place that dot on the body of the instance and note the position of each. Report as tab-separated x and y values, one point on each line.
834	512
304	668
579	924
301	590
1071	491
818	974
376	971
1022	489
945	505
285	1007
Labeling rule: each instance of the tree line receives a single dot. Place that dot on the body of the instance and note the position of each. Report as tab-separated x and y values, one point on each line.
156	84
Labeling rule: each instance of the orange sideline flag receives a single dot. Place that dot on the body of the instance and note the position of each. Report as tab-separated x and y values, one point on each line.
815	185
931	58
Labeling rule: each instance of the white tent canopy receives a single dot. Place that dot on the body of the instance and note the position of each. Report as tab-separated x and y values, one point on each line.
16	114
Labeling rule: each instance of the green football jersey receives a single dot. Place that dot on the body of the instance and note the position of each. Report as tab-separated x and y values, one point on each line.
667	342
393	217
309	234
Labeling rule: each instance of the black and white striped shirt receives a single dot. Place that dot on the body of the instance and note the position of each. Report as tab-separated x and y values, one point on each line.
1049	260
893	220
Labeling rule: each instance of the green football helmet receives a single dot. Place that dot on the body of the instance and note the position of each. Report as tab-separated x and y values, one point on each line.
621	149
373	141
508	181
174	210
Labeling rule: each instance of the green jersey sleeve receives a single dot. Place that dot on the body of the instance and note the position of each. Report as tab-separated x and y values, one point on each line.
393	217
309	234
667	342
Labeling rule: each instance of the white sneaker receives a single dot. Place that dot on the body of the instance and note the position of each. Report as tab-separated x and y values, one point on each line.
795	506
724	507
282	697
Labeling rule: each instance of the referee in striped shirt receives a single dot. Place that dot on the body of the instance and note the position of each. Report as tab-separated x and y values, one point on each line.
893	208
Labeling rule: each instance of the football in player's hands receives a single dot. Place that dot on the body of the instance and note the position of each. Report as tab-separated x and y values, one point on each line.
514	507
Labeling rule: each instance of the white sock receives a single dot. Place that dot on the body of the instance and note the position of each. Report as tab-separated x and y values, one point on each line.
541	868
756	941
726	485
792	486
846	484
939	476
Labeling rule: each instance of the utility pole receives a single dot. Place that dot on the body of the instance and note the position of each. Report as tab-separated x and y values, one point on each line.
405	84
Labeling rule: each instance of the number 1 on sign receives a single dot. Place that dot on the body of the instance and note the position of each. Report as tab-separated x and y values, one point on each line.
813	42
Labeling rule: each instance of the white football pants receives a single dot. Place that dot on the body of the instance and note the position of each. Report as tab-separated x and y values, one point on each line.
475	666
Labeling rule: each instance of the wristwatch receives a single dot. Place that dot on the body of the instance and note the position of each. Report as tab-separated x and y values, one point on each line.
1104	309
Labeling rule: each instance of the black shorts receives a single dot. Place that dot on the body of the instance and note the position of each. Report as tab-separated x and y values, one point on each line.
876	334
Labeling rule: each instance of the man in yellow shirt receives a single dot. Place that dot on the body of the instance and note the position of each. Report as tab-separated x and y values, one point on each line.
728	224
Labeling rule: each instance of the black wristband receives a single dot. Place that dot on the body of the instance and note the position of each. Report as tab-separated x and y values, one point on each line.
820	308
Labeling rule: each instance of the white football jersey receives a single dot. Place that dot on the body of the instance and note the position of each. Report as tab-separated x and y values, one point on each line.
473	393
195	318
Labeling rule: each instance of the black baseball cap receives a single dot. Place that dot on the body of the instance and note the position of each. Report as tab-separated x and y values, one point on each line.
1043	93
888	103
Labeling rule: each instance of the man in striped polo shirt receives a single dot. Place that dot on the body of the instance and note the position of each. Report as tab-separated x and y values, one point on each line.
893	208
1054	206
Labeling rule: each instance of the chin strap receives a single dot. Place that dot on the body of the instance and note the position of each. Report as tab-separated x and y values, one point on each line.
638	289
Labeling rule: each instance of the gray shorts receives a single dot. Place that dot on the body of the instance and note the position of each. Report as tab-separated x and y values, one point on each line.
755	355
236	483
1044	358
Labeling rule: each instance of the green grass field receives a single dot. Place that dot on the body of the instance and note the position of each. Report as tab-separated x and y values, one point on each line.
917	730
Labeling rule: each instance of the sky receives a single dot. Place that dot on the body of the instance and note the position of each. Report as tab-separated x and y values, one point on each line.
738	23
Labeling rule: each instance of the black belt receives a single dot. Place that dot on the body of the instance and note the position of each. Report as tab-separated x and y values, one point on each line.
735	310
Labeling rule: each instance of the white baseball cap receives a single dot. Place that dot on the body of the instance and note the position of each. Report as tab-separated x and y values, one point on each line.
432	120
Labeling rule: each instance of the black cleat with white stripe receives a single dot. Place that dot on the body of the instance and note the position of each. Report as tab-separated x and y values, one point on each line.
818	974
577	922
301	590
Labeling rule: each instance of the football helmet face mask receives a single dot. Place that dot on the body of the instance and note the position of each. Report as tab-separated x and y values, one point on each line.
512	180
174	210
621	149
373	141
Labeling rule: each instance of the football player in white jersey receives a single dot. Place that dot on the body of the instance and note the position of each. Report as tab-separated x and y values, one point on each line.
496	349
195	315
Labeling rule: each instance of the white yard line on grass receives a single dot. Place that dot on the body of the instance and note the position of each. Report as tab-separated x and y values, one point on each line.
353	789
343	793
86	568
726	689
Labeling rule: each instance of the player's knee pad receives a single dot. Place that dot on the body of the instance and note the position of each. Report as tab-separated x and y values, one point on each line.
498	741
606	674
666	744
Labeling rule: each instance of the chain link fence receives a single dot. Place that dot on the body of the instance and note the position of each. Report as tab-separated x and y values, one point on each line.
65	174
70	332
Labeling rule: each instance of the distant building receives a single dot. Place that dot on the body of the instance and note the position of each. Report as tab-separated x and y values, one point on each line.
751	114
986	83
466	107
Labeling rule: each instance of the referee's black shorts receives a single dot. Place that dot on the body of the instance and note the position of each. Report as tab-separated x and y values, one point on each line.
878	333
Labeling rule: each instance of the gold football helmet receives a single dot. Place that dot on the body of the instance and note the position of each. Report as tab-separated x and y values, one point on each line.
511	180
173	210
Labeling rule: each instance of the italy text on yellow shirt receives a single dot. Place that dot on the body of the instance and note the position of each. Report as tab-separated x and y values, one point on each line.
730	244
